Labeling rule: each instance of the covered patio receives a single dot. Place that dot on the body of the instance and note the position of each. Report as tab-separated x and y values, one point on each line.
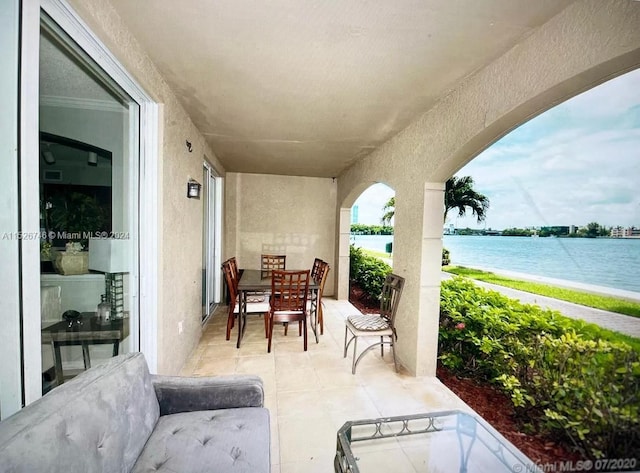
310	105
293	103
311	394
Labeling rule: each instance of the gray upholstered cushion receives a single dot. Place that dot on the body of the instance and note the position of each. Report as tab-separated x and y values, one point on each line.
226	440
179	394
97	422
368	322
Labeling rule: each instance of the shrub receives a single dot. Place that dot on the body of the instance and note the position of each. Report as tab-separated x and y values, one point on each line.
557	373
368	272
588	389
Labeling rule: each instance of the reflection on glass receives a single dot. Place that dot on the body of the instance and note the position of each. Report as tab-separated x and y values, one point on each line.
86	202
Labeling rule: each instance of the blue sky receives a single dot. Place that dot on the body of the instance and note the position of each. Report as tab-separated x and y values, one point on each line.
579	162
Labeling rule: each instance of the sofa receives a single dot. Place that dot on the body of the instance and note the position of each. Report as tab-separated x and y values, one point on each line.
117	417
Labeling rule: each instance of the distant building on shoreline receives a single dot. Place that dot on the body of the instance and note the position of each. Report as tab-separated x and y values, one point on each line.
549	231
629	232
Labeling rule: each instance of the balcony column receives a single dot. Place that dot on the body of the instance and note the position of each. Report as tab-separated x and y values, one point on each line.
418	257
342	259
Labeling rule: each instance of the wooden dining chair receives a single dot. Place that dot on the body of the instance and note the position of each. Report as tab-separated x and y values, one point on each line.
311	303
272	262
288	302
234	267
315	299
376	325
256	304
317	263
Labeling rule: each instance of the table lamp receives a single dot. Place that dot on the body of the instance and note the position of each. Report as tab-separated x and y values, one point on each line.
111	256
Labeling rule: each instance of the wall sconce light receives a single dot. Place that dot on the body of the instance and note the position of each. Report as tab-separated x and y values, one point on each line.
189	146
193	189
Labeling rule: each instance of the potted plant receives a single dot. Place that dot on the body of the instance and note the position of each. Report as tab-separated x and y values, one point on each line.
72	216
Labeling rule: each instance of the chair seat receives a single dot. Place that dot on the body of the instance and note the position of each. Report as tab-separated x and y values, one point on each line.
368	323
254	307
280	315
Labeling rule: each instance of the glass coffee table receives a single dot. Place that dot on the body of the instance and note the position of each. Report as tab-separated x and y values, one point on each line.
443	442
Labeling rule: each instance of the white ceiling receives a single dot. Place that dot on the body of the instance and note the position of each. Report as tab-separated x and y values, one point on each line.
306	87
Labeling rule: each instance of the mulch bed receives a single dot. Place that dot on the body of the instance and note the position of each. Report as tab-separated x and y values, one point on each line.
495	407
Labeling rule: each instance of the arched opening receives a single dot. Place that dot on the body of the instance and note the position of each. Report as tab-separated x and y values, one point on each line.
365	206
370	242
568	176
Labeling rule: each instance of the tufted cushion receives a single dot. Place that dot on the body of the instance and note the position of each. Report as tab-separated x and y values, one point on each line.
97	422
230	440
368	322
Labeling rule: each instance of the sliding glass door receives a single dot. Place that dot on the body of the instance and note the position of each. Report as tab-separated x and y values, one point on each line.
211	240
88	181
11	398
80	140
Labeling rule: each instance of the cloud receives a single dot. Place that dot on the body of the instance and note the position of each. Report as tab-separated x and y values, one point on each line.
576	163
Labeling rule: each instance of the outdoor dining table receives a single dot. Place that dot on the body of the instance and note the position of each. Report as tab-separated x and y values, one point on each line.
256	280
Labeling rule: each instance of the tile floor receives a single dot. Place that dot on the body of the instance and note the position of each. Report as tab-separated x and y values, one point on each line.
311	394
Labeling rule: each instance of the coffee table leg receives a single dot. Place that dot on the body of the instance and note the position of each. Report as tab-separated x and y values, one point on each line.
85	355
57	361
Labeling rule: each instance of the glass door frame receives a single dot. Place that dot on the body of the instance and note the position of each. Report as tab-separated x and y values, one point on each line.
212	240
144	279
11	396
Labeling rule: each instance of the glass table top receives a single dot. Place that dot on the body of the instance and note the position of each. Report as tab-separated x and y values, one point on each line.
443	442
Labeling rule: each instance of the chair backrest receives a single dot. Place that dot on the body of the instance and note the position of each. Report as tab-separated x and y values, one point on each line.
234	268
269	263
289	290
390	297
321	275
317	264
232	282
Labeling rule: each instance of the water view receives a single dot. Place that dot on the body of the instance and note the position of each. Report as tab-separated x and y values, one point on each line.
605	262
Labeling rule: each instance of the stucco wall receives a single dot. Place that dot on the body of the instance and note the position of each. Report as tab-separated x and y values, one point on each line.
588	43
287	215
180	219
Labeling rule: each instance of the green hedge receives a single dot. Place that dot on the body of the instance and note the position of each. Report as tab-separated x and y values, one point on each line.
562	374
368	272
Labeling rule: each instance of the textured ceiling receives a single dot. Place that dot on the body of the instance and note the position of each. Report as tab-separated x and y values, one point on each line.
307	87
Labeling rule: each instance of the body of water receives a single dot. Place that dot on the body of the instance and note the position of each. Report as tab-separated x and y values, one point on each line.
609	262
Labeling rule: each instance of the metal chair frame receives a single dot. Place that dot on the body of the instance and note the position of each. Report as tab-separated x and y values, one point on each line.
389	300
314	304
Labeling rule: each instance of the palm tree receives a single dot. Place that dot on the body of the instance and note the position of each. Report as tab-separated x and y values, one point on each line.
389	211
458	194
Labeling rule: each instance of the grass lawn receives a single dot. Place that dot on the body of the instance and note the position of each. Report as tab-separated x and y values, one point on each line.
611	304
377	254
